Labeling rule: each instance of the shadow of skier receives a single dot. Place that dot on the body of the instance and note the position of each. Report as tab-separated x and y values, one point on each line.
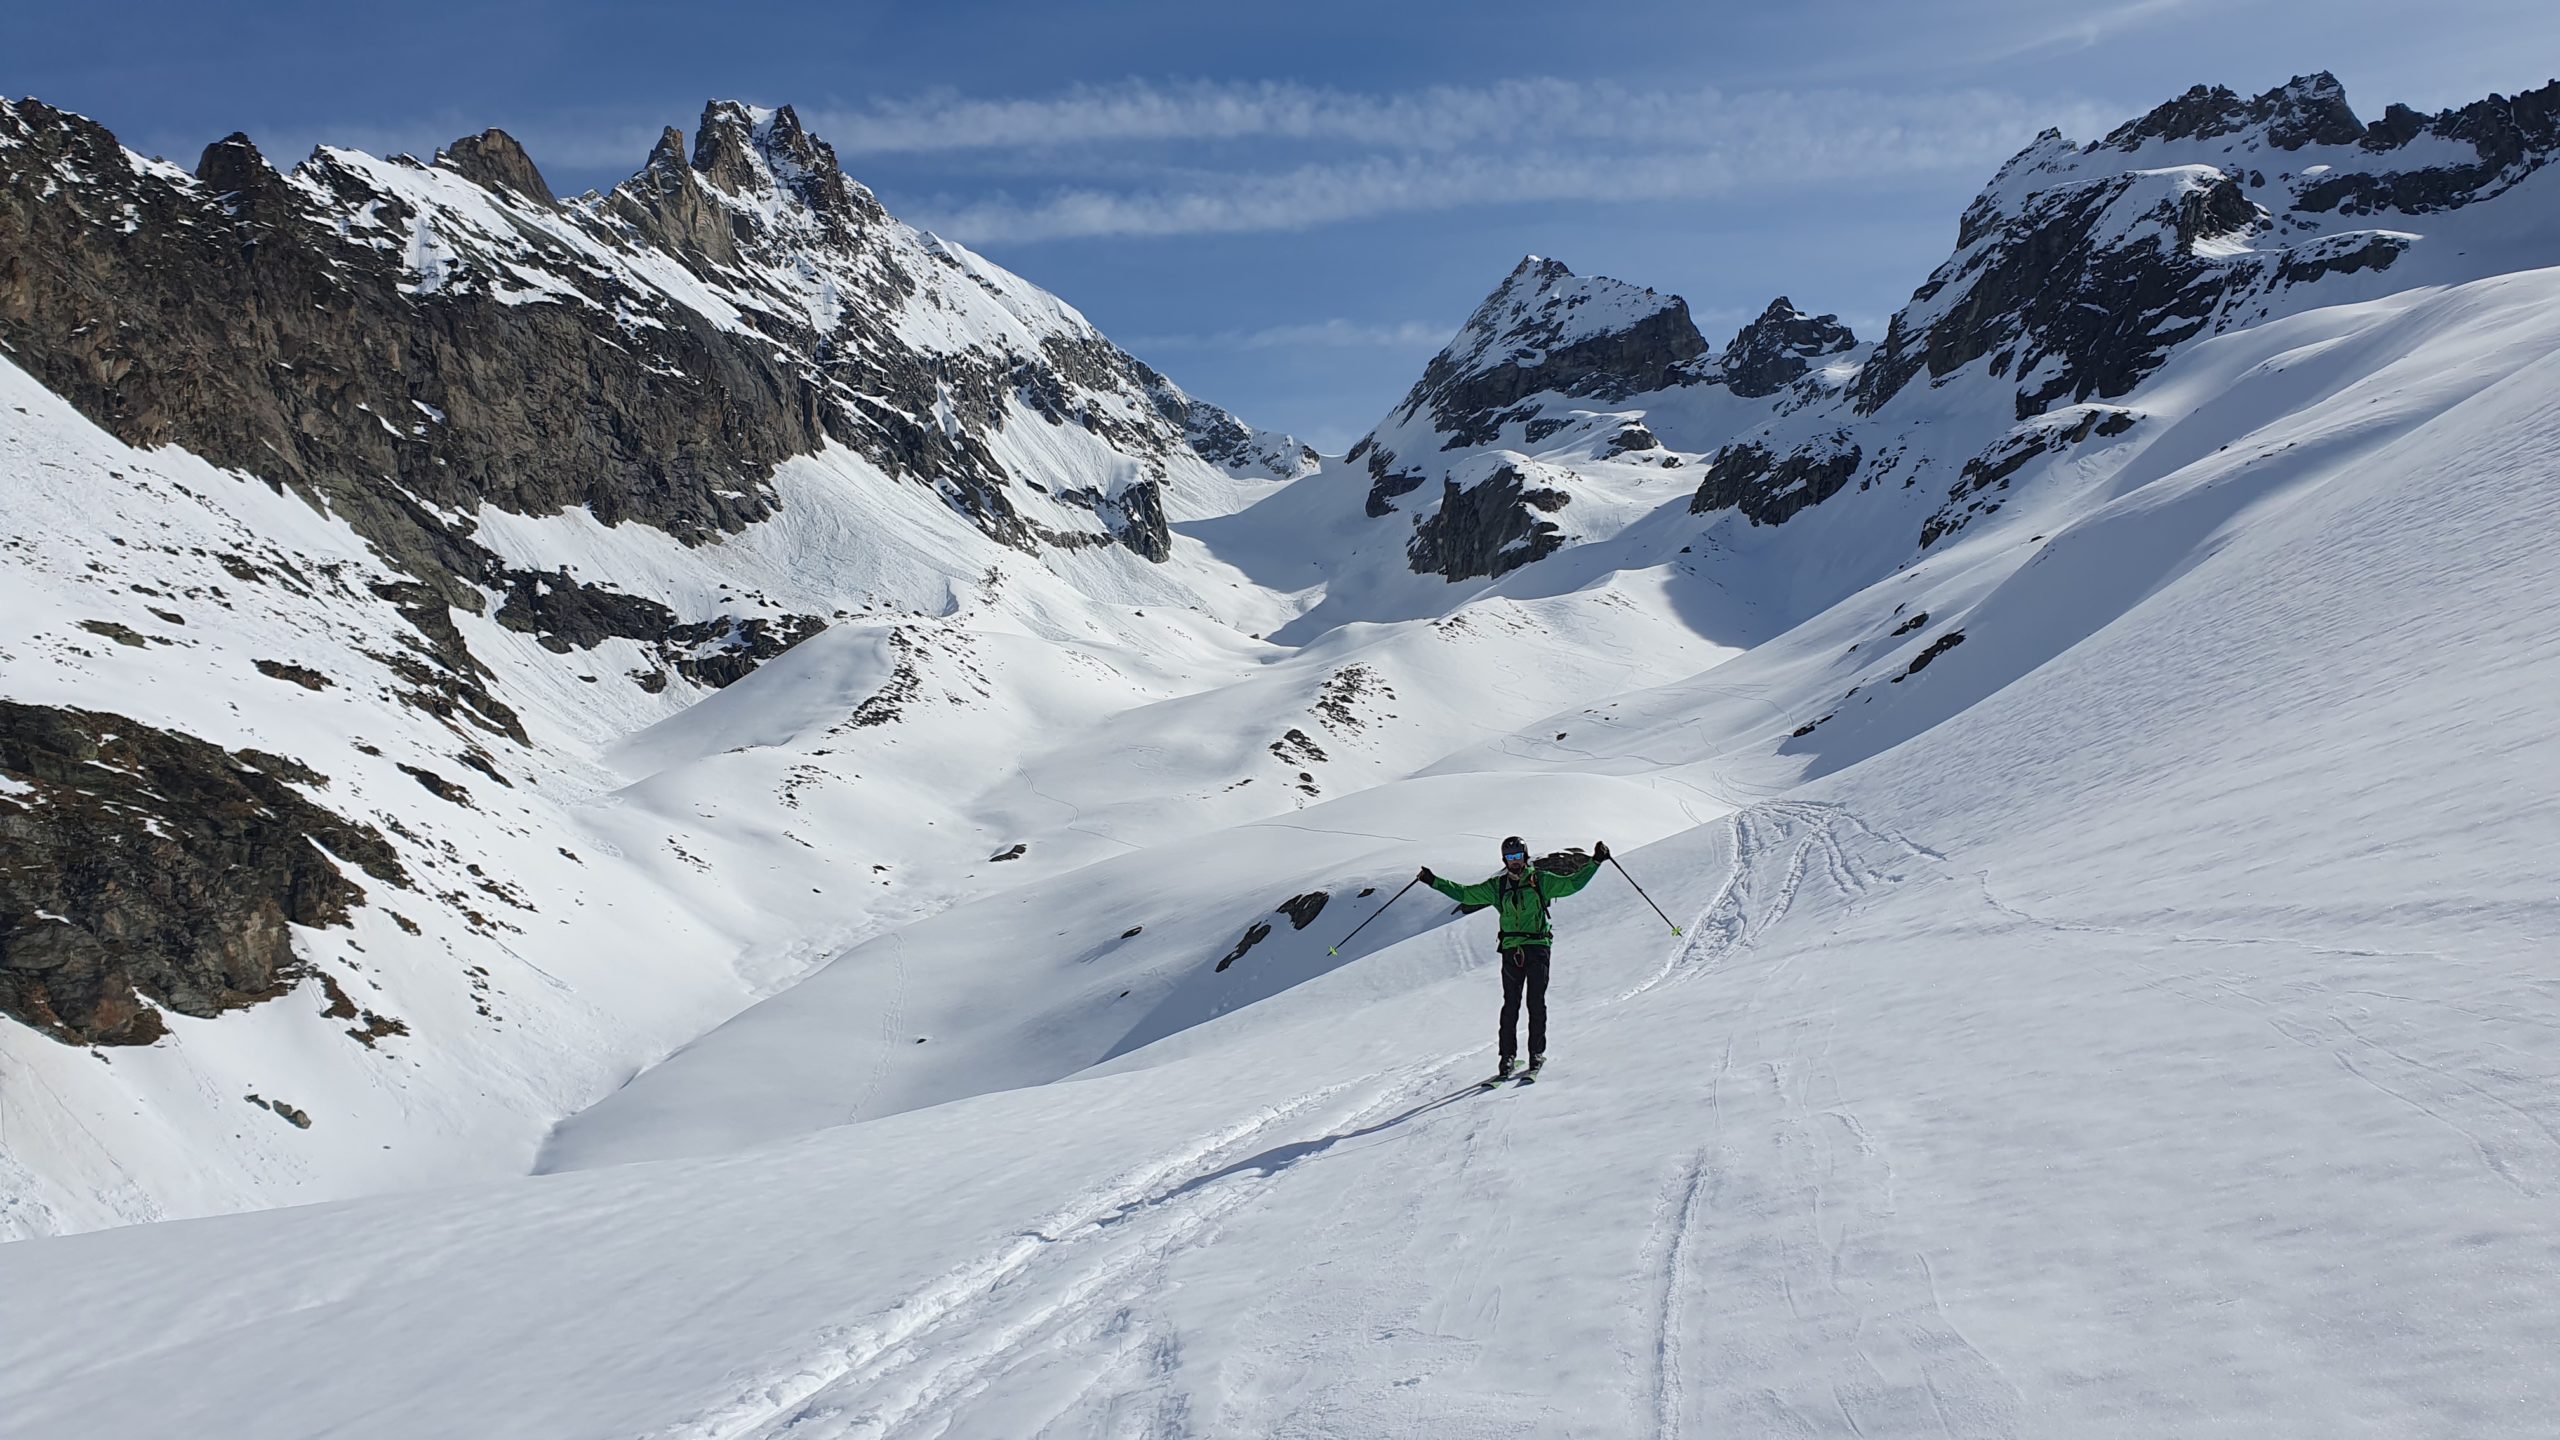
1278	1158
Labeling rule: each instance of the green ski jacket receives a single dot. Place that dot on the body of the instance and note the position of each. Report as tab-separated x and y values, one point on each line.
1522	902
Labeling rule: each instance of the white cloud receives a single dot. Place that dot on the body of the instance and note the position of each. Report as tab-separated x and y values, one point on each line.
1319	334
2085	31
1533	111
1133	154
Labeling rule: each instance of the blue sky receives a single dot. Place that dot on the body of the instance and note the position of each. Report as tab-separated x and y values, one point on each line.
1289	207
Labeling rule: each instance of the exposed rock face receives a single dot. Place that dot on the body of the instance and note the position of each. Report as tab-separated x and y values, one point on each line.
1546	329
143	868
2083	290
566	615
493	160
1977	489
235	319
2513	138
1489	529
1769	488
380	334
2307	110
2080	268
1782	344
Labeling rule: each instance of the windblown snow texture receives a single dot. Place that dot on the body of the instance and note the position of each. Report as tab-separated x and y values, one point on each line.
2092	737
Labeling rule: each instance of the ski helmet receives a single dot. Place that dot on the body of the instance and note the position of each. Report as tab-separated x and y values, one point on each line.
1514	848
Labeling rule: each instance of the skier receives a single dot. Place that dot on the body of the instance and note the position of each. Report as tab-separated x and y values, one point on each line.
1520	895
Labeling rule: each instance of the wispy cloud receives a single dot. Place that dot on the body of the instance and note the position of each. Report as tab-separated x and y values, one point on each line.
1294	157
1335	334
1151	158
2086	31
1538	110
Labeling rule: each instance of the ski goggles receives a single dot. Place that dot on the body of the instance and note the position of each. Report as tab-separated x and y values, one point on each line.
1515	853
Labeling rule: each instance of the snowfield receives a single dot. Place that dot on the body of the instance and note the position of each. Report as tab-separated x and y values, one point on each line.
2142	1025
2111	986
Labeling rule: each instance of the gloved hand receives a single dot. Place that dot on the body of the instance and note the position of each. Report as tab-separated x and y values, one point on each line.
1425	876
1599	852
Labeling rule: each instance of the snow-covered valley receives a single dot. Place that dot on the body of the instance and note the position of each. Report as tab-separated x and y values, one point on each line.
2099	782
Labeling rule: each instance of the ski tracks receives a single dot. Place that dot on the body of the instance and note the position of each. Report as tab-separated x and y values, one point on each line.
1058	1310
1791	1287
1777	846
1793	1299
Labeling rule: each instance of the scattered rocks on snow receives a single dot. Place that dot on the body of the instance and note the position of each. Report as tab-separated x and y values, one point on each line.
1303	909
1937	647
1254	935
302	675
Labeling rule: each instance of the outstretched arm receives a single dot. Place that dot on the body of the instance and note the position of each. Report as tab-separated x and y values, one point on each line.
1480	893
1556	887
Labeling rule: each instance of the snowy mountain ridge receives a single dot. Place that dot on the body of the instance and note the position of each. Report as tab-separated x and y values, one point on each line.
2088	781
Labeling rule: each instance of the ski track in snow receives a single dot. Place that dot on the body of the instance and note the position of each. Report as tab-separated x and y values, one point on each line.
1836	1325
1868	1346
1669	1253
1797	835
1072	1284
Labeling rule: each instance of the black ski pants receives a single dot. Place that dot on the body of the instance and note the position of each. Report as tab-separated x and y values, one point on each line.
1524	973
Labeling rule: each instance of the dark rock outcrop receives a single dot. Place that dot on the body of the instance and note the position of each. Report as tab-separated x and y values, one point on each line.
649	356
1255	934
1487	530
235	318
2512	138
2068	292
141	868
2080	279
1976	487
2307	110
1770	352
1769	488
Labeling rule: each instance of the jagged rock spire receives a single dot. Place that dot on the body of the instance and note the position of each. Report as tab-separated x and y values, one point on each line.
493	159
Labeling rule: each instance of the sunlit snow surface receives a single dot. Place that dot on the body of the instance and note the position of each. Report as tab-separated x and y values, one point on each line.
2140	1024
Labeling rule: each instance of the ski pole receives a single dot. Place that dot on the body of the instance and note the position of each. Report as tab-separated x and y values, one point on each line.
1374	914
1676	930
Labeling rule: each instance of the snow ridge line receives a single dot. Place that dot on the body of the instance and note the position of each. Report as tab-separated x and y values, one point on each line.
843	1354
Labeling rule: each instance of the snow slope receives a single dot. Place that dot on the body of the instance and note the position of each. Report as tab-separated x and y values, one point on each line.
2113	994
2154	1041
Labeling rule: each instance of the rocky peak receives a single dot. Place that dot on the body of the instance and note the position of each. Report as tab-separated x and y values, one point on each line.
1782	344
666	204
724	148
2306	110
1546	329
746	151
1542	307
666	162
494	160
232	168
